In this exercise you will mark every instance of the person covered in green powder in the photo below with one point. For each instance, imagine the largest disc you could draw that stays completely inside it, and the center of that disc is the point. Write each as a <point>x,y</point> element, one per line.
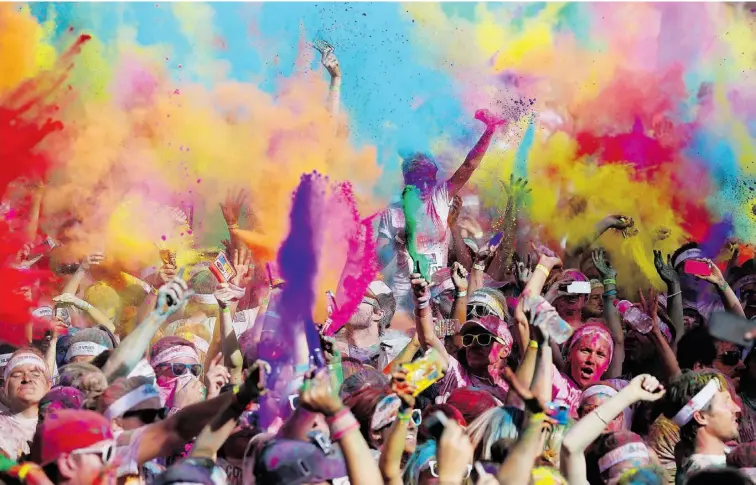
<point>431,229</point>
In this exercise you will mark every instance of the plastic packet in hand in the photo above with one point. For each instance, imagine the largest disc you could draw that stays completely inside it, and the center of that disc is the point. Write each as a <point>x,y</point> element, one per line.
<point>425,371</point>
<point>543,315</point>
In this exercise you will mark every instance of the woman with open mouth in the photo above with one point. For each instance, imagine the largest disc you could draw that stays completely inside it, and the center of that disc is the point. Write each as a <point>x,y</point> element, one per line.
<point>588,355</point>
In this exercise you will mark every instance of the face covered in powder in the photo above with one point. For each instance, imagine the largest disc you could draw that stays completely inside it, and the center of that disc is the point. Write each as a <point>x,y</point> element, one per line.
<point>177,369</point>
<point>590,353</point>
<point>420,171</point>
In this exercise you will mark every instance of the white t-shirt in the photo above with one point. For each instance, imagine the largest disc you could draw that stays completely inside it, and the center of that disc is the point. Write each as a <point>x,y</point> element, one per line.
<point>16,431</point>
<point>233,472</point>
<point>697,462</point>
<point>434,236</point>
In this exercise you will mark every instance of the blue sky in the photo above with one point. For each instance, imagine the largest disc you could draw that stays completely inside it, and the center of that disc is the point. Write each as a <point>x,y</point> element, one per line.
<point>383,70</point>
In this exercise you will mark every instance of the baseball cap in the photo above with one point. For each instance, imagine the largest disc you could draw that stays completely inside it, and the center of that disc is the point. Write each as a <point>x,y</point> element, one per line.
<point>294,462</point>
<point>67,430</point>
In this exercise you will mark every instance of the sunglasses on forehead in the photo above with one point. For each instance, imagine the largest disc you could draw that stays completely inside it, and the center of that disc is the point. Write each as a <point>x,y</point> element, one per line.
<point>180,369</point>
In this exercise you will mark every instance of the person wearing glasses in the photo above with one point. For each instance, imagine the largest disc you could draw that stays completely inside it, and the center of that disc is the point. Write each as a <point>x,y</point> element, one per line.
<point>486,345</point>
<point>76,447</point>
<point>177,371</point>
<point>27,380</point>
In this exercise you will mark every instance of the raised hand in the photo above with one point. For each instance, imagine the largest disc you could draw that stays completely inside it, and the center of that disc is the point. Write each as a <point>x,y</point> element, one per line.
<point>317,394</point>
<point>546,256</point>
<point>167,273</point>
<point>454,454</point>
<point>93,259</point>
<point>454,210</point>
<point>459,277</point>
<point>618,221</point>
<point>402,388</point>
<point>232,207</point>
<point>602,264</point>
<point>420,290</point>
<point>242,263</point>
<point>646,387</point>
<point>171,296</point>
<point>489,119</point>
<point>650,306</point>
<point>715,278</point>
<point>216,376</point>
<point>523,270</point>
<point>516,190</point>
<point>666,272</point>
<point>331,63</point>
<point>227,294</point>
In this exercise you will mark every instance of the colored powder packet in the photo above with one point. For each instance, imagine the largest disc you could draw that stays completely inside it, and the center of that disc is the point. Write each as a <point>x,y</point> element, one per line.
<point>425,371</point>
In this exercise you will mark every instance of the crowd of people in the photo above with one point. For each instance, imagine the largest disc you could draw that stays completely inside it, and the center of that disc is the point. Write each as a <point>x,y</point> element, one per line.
<point>515,367</point>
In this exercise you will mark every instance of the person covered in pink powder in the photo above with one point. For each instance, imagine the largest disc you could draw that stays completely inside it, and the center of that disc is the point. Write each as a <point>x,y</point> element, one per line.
<point>420,170</point>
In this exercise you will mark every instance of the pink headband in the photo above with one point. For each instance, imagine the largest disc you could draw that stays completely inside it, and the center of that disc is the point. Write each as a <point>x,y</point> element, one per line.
<point>592,331</point>
<point>173,353</point>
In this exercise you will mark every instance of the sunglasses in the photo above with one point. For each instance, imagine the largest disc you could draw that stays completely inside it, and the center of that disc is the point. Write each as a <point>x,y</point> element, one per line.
<point>371,301</point>
<point>180,369</point>
<point>147,416</point>
<point>434,469</point>
<point>730,358</point>
<point>482,340</point>
<point>478,310</point>
<point>417,417</point>
<point>106,450</point>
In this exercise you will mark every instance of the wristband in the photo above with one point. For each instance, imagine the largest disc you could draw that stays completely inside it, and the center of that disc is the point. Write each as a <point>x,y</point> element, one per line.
<point>610,281</point>
<point>674,294</point>
<point>233,226</point>
<point>460,294</point>
<point>610,293</point>
<point>23,470</point>
<point>405,414</point>
<point>226,309</point>
<point>538,417</point>
<point>479,267</point>
<point>422,305</point>
<point>543,269</point>
<point>341,412</point>
<point>723,287</point>
<point>533,344</point>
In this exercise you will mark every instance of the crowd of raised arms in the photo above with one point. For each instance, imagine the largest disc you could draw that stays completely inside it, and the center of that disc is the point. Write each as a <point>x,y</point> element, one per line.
<point>474,358</point>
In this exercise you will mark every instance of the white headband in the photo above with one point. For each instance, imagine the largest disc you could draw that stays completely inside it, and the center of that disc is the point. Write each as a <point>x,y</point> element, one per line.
<point>131,399</point>
<point>23,359</point>
<point>594,390</point>
<point>745,280</point>
<point>4,359</point>
<point>623,453</point>
<point>207,299</point>
<point>144,369</point>
<point>693,253</point>
<point>84,348</point>
<point>698,402</point>
<point>173,353</point>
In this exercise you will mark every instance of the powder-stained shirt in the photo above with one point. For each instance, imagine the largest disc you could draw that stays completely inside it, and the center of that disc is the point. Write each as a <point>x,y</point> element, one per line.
<point>457,376</point>
<point>663,436</point>
<point>697,462</point>
<point>565,391</point>
<point>433,238</point>
<point>16,431</point>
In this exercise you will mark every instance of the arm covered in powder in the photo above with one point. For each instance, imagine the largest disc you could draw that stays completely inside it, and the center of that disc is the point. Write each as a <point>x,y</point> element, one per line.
<point>473,159</point>
<point>126,356</point>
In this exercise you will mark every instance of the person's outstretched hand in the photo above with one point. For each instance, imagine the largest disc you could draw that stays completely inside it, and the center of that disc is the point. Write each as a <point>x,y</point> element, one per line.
<point>459,277</point>
<point>318,396</point>
<point>489,119</point>
<point>232,207</point>
<point>454,454</point>
<point>420,290</point>
<point>666,272</point>
<point>167,273</point>
<point>546,256</point>
<point>331,63</point>
<point>516,190</point>
<point>715,278</point>
<point>522,270</point>
<point>171,296</point>
<point>647,388</point>
<point>602,264</point>
<point>618,221</point>
<point>216,376</point>
<point>93,259</point>
<point>402,388</point>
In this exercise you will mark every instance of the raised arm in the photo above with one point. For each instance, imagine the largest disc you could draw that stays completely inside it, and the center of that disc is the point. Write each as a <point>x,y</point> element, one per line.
<point>331,63</point>
<point>217,431</point>
<point>668,357</point>
<point>94,313</point>
<point>125,357</point>
<point>674,294</point>
<point>390,461</point>
<point>575,250</point>
<point>424,317</point>
<point>642,388</point>
<point>72,285</point>
<point>728,297</point>
<point>611,315</point>
<point>471,163</point>
<point>318,396</point>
